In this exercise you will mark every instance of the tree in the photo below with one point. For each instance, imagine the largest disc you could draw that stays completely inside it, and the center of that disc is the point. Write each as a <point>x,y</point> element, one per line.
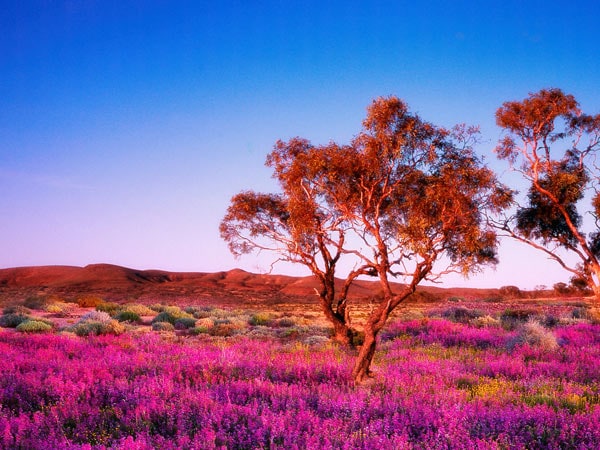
<point>416,195</point>
<point>404,199</point>
<point>553,145</point>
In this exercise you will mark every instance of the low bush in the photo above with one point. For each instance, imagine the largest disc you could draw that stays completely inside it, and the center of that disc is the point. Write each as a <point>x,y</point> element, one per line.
<point>12,320</point>
<point>534,334</point>
<point>223,330</point>
<point>171,314</point>
<point>460,314</point>
<point>36,302</point>
<point>95,328</point>
<point>486,321</point>
<point>89,301</point>
<point>128,316</point>
<point>60,309</point>
<point>285,322</point>
<point>513,318</point>
<point>95,316</point>
<point>139,309</point>
<point>16,309</point>
<point>162,326</point>
<point>185,323</point>
<point>158,307</point>
<point>108,307</point>
<point>260,319</point>
<point>34,326</point>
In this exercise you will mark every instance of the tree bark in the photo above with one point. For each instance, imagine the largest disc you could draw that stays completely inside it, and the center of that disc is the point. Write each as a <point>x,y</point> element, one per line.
<point>362,365</point>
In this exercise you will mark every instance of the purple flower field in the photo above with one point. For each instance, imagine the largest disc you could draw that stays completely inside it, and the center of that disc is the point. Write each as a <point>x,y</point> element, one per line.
<point>438,384</point>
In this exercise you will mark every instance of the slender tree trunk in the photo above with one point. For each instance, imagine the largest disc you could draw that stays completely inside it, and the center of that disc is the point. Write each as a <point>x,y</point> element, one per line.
<point>362,365</point>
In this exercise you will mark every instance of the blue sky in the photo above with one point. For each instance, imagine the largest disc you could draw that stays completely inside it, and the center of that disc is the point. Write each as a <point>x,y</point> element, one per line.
<point>125,127</point>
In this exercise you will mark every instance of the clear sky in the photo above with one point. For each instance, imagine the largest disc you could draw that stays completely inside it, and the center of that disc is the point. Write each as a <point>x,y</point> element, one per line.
<point>126,126</point>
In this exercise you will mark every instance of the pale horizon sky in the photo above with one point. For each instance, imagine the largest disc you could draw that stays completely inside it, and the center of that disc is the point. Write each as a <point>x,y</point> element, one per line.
<point>126,126</point>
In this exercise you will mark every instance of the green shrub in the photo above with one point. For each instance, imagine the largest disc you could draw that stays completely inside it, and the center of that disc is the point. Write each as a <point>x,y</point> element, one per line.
<point>34,326</point>
<point>140,310</point>
<point>36,302</point>
<point>12,320</point>
<point>128,316</point>
<point>162,326</point>
<point>171,314</point>
<point>199,330</point>
<point>108,307</point>
<point>185,323</point>
<point>95,328</point>
<point>89,301</point>
<point>260,319</point>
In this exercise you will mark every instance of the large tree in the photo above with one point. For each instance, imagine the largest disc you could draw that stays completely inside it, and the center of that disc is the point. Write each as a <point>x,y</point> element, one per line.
<point>417,197</point>
<point>405,199</point>
<point>553,145</point>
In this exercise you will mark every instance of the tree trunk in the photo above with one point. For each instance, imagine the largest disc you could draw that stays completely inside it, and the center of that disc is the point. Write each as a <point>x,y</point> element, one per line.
<point>343,334</point>
<point>362,365</point>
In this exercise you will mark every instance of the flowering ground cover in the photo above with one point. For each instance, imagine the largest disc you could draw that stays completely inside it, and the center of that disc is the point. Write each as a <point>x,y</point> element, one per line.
<point>440,383</point>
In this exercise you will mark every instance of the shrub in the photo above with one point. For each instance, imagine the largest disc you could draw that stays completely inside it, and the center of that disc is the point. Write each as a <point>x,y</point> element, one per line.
<point>185,323</point>
<point>128,316</point>
<point>162,326</point>
<point>171,314</point>
<point>260,319</point>
<point>60,309</point>
<point>108,307</point>
<point>95,328</point>
<point>12,320</point>
<point>140,310</point>
<point>486,322</point>
<point>206,322</point>
<point>95,316</point>
<point>460,314</point>
<point>285,322</point>
<point>199,330</point>
<point>534,334</point>
<point>223,330</point>
<point>36,302</point>
<point>34,326</point>
<point>510,292</point>
<point>158,307</point>
<point>16,309</point>
<point>513,318</point>
<point>89,301</point>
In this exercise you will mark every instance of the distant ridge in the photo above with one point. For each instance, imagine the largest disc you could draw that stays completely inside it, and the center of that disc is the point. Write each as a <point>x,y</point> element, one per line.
<point>120,283</point>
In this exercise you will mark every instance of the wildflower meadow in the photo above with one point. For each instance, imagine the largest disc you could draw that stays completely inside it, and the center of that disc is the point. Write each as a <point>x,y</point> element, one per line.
<point>444,380</point>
